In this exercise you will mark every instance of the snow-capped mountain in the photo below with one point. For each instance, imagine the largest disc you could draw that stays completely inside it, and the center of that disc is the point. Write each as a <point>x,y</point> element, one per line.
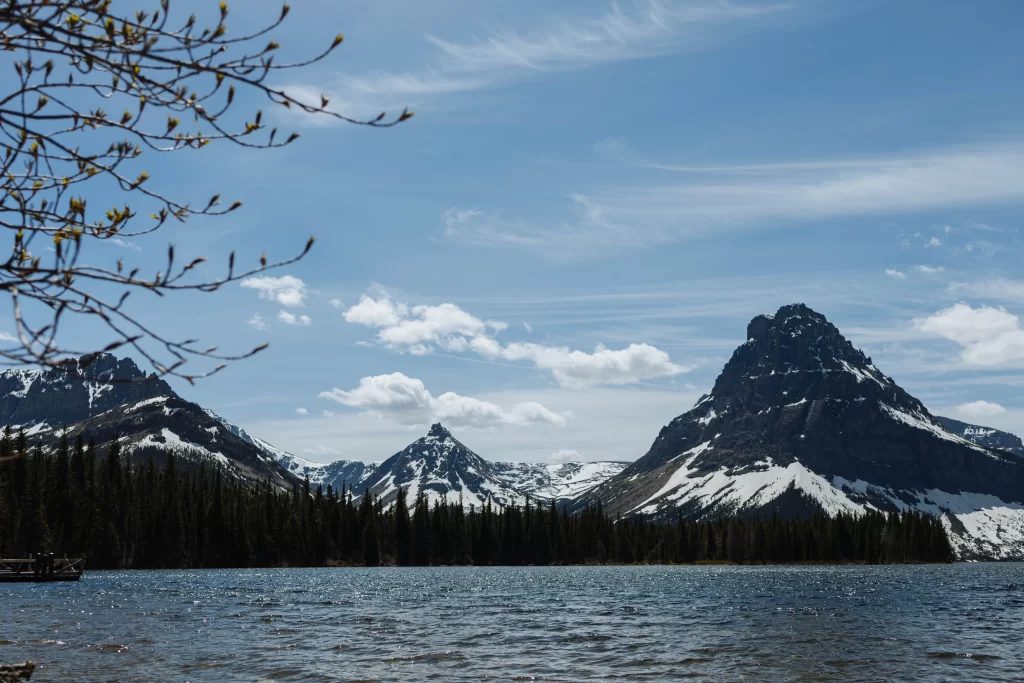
<point>100,396</point>
<point>800,421</point>
<point>441,467</point>
<point>984,436</point>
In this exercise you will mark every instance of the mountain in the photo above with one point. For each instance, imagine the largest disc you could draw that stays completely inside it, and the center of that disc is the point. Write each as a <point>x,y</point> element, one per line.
<point>800,421</point>
<point>99,396</point>
<point>984,436</point>
<point>441,467</point>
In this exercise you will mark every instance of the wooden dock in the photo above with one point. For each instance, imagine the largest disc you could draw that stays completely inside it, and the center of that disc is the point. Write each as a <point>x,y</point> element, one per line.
<point>41,568</point>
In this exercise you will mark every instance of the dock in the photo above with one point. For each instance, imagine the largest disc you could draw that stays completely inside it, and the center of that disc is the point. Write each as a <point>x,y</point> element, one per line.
<point>41,568</point>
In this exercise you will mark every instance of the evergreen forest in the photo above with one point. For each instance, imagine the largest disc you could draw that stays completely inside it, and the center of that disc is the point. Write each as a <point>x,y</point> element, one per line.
<point>76,502</point>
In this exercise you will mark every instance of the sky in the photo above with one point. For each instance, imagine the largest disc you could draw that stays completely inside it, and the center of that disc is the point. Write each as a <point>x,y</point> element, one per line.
<point>558,253</point>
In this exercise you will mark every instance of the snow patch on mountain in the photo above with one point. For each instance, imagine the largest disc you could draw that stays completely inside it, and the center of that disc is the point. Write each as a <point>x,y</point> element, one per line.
<point>556,481</point>
<point>173,443</point>
<point>727,491</point>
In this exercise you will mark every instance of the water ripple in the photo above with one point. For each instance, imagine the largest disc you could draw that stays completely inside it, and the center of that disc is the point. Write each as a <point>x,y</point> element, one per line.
<point>526,624</point>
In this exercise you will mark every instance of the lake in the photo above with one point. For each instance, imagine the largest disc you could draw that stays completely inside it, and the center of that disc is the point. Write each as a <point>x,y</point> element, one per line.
<point>807,623</point>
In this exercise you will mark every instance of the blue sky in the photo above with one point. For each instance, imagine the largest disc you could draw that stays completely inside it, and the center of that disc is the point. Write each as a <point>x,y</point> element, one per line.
<point>563,247</point>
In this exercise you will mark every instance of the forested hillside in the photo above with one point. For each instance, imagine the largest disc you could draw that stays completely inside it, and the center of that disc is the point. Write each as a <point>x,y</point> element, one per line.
<point>117,515</point>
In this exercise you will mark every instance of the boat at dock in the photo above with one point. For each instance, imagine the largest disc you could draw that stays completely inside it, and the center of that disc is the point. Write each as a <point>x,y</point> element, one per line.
<point>41,568</point>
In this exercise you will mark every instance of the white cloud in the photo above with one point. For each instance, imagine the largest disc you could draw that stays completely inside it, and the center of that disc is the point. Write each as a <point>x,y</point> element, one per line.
<point>656,27</point>
<point>715,198</point>
<point>980,409</point>
<point>124,244</point>
<point>336,303</point>
<point>420,330</point>
<point>301,411</point>
<point>896,274</point>
<point>289,318</point>
<point>647,28</point>
<point>326,413</point>
<point>635,363</point>
<point>376,312</point>
<point>992,288</point>
<point>407,401</point>
<point>565,455</point>
<point>608,424</point>
<point>989,336</point>
<point>929,270</point>
<point>286,290</point>
<point>258,322</point>
<point>528,327</point>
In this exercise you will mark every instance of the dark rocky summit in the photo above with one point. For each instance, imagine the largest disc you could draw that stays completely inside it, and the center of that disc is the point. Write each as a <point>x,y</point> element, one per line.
<point>78,389</point>
<point>801,421</point>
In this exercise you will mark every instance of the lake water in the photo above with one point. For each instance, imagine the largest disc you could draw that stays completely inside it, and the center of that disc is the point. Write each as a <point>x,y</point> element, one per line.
<point>934,623</point>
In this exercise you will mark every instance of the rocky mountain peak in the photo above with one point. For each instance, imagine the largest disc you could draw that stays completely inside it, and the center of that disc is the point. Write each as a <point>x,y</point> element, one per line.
<point>797,354</point>
<point>77,389</point>
<point>438,431</point>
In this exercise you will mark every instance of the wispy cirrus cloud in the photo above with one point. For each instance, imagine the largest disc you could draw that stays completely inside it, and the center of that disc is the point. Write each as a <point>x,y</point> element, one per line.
<point>616,33</point>
<point>744,197</point>
<point>652,28</point>
<point>1000,288</point>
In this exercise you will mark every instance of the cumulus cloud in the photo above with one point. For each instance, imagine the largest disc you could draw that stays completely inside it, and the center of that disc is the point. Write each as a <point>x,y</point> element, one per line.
<point>988,335</point>
<point>289,318</point>
<point>576,369</point>
<point>407,401</point>
<point>895,274</point>
<point>980,409</point>
<point>301,411</point>
<point>376,312</point>
<point>336,303</point>
<point>933,242</point>
<point>286,290</point>
<point>421,330</point>
<point>929,270</point>
<point>258,322</point>
<point>564,456</point>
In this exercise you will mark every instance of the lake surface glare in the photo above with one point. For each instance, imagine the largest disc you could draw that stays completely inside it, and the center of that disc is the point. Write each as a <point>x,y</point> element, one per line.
<point>959,622</point>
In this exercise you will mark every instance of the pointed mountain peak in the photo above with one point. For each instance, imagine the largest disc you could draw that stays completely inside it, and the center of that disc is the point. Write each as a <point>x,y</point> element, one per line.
<point>438,431</point>
<point>795,341</point>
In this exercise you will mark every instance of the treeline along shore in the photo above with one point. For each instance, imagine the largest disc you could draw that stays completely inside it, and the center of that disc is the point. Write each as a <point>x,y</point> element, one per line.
<point>77,502</point>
